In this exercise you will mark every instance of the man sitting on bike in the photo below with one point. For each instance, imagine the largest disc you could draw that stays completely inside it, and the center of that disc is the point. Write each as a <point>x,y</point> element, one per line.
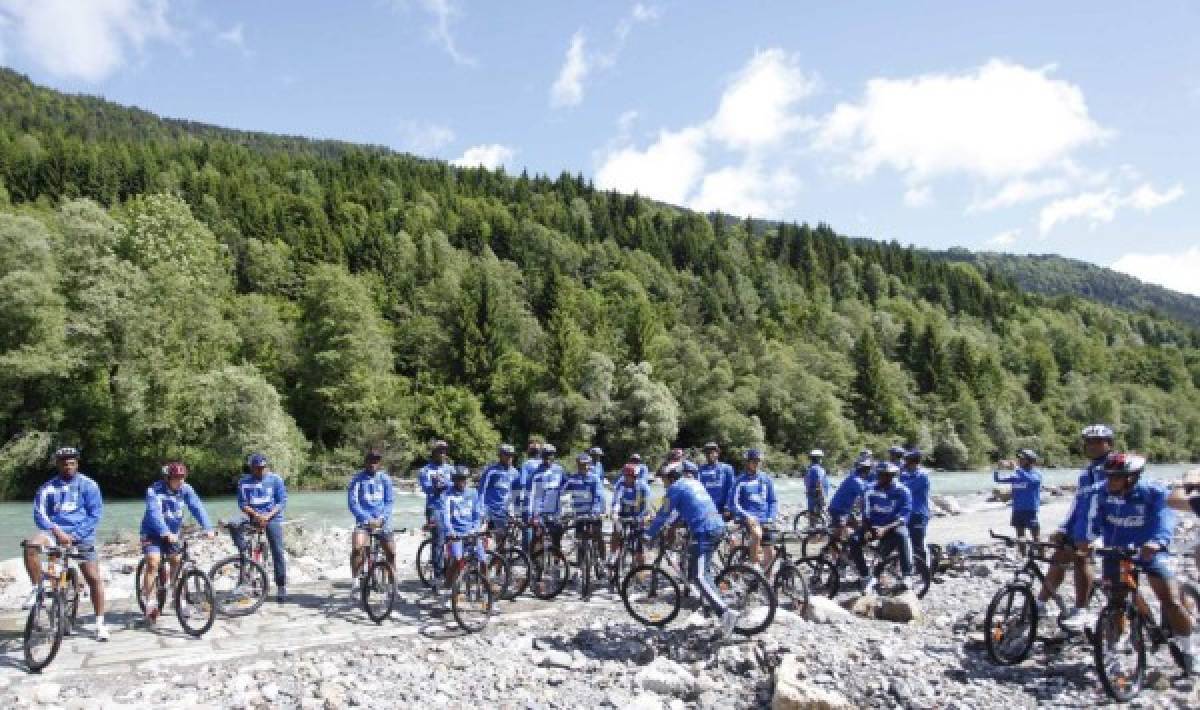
<point>755,506</point>
<point>495,492</point>
<point>585,498</point>
<point>370,497</point>
<point>262,496</point>
<point>434,479</point>
<point>630,505</point>
<point>886,508</point>
<point>847,500</point>
<point>520,488</point>
<point>716,477</point>
<point>642,469</point>
<point>544,506</point>
<point>816,486</point>
<point>66,511</point>
<point>1130,512</point>
<point>1026,482</point>
<point>916,479</point>
<point>165,500</point>
<point>1072,535</point>
<point>462,514</point>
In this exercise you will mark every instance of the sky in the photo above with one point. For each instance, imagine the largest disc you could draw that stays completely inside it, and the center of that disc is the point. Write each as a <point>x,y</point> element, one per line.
<point>1028,127</point>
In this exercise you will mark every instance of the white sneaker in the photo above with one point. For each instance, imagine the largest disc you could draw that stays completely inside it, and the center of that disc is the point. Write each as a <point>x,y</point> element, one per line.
<point>355,586</point>
<point>728,621</point>
<point>869,585</point>
<point>102,631</point>
<point>1075,619</point>
<point>30,599</point>
<point>151,611</point>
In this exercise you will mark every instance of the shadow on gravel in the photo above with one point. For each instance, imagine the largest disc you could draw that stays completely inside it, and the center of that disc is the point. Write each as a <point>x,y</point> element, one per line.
<point>625,641</point>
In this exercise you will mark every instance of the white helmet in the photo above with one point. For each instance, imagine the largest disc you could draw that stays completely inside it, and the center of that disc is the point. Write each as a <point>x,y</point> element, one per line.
<point>1097,431</point>
<point>817,454</point>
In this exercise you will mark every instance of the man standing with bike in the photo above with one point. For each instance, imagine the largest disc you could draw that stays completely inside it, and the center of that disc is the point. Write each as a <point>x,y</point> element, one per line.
<point>643,470</point>
<point>849,497</point>
<point>886,509</point>
<point>816,486</point>
<point>370,497</point>
<point>916,479</point>
<point>1026,482</point>
<point>754,505</point>
<point>545,491</point>
<point>495,491</point>
<point>165,500</point>
<point>435,478</point>
<point>461,515</point>
<point>66,510</point>
<point>686,498</point>
<point>716,477</point>
<point>631,498</point>
<point>584,492</point>
<point>1130,512</point>
<point>262,496</point>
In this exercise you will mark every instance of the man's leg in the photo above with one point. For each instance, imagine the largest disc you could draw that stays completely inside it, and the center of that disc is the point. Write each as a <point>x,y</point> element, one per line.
<point>358,551</point>
<point>91,573</point>
<point>439,541</point>
<point>754,532</point>
<point>1083,574</point>
<point>699,572</point>
<point>856,555</point>
<point>917,527</point>
<point>1167,592</point>
<point>278,561</point>
<point>149,578</point>
<point>898,540</point>
<point>33,559</point>
<point>1062,558</point>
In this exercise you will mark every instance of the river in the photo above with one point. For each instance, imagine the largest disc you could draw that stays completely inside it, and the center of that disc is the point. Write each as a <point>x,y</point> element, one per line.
<point>329,507</point>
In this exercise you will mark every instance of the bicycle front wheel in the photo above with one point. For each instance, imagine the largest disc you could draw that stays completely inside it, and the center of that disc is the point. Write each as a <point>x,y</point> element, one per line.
<point>425,570</point>
<point>195,603</point>
<point>499,574</point>
<point>471,600</point>
<point>651,595</point>
<point>71,600</point>
<point>550,571</point>
<point>43,631</point>
<point>379,591</point>
<point>520,572</point>
<point>890,576</point>
<point>745,591</point>
<point>1120,651</point>
<point>1010,625</point>
<point>160,590</point>
<point>1189,601</point>
<point>792,589</point>
<point>239,585</point>
<point>821,576</point>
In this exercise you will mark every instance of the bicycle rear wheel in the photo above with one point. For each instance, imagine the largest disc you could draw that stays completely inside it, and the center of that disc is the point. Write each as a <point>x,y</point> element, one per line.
<point>1189,601</point>
<point>890,577</point>
<point>1120,652</point>
<point>195,604</point>
<point>792,589</point>
<point>746,591</point>
<point>43,631</point>
<point>498,574</point>
<point>239,585</point>
<point>550,572</point>
<point>471,600</point>
<point>1010,625</point>
<point>425,571</point>
<point>379,591</point>
<point>520,573</point>
<point>585,571</point>
<point>821,576</point>
<point>160,590</point>
<point>651,595</point>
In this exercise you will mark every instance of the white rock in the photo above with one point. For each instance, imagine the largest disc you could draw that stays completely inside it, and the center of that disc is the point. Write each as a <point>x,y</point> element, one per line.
<point>791,693</point>
<point>47,693</point>
<point>644,701</point>
<point>558,659</point>
<point>667,677</point>
<point>270,692</point>
<point>824,610</point>
<point>903,608</point>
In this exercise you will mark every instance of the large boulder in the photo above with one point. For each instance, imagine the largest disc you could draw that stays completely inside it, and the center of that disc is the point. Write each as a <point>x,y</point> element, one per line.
<point>794,693</point>
<point>863,605</point>
<point>1001,494</point>
<point>948,505</point>
<point>666,677</point>
<point>902,608</point>
<point>823,610</point>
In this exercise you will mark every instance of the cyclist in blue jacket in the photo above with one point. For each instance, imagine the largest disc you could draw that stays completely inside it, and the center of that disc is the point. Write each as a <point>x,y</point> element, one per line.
<point>849,496</point>
<point>816,486</point>
<point>629,507</point>
<point>496,492</point>
<point>370,497</point>
<point>544,505</point>
<point>166,499</point>
<point>1026,482</point>
<point>435,479</point>
<point>686,498</point>
<point>643,470</point>
<point>520,488</point>
<point>916,479</point>
<point>462,514</point>
<point>1072,534</point>
<point>754,504</point>
<point>1130,512</point>
<point>67,510</point>
<point>716,477</point>
<point>584,493</point>
<point>886,509</point>
<point>262,496</point>
<point>597,455</point>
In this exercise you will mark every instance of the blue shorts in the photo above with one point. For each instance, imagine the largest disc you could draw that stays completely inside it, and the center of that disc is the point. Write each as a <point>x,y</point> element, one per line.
<point>1111,567</point>
<point>156,545</point>
<point>455,548</point>
<point>1026,519</point>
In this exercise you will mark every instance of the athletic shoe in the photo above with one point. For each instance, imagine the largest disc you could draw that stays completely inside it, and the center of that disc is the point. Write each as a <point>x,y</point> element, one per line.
<point>30,599</point>
<point>101,632</point>
<point>282,595</point>
<point>1075,620</point>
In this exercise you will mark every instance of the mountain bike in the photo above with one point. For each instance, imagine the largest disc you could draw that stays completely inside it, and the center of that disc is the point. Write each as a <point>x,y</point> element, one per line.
<point>589,555</point>
<point>786,576</point>
<point>195,602</point>
<point>377,576</point>
<point>55,604</point>
<point>832,569</point>
<point>806,520</point>
<point>473,594</point>
<point>1127,629</point>
<point>424,560</point>
<point>631,530</point>
<point>520,566</point>
<point>240,581</point>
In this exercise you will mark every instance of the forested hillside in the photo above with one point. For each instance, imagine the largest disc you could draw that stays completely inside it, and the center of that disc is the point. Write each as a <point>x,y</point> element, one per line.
<point>1055,275</point>
<point>174,289</point>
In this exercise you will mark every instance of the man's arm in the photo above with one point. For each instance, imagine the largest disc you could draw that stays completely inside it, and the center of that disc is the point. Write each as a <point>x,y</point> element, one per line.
<point>280,492</point>
<point>389,499</point>
<point>197,507</point>
<point>355,505</point>
<point>93,505</point>
<point>772,501</point>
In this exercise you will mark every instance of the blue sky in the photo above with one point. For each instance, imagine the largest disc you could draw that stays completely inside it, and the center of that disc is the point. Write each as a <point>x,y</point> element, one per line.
<point>1065,127</point>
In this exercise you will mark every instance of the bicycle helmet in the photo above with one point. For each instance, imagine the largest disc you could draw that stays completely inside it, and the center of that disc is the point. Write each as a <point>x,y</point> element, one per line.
<point>549,450</point>
<point>175,469</point>
<point>440,445</point>
<point>864,463</point>
<point>374,456</point>
<point>596,451</point>
<point>913,454</point>
<point>1027,454</point>
<point>583,458</point>
<point>896,451</point>
<point>816,454</point>
<point>753,455</point>
<point>886,467</point>
<point>712,446</point>
<point>66,452</point>
<point>256,461</point>
<point>506,450</point>
<point>635,457</point>
<point>460,473</point>
<point>1124,464</point>
<point>1097,431</point>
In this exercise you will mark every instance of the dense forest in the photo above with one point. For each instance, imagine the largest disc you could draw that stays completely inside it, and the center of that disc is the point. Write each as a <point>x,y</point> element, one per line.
<point>171,289</point>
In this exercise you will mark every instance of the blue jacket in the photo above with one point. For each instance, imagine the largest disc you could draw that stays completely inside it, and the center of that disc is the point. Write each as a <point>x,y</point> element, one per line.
<point>496,489</point>
<point>74,506</point>
<point>631,501</point>
<point>885,506</point>
<point>461,511</point>
<point>1026,488</point>
<point>264,495</point>
<point>585,494</point>
<point>520,486</point>
<point>816,484</point>
<point>687,499</point>
<point>717,479</point>
<point>917,483</point>
<point>643,474</point>
<point>545,491</point>
<point>1076,523</point>
<point>754,497</point>
<point>1136,519</point>
<point>164,509</point>
<point>849,492</point>
<point>435,479</point>
<point>370,497</point>
<point>598,469</point>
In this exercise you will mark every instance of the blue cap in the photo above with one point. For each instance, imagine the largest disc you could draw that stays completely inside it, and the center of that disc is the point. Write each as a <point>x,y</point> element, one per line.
<point>864,462</point>
<point>753,455</point>
<point>256,460</point>
<point>912,454</point>
<point>897,451</point>
<point>887,467</point>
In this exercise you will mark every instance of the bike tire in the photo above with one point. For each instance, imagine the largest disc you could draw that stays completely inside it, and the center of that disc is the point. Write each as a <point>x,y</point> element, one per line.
<point>999,625</point>
<point>888,576</point>
<point>813,542</point>
<point>746,591</point>
<point>471,600</point>
<point>1124,683</point>
<point>1189,601</point>
<point>160,591</point>
<point>500,575</point>
<point>651,596</point>
<point>425,571</point>
<point>378,592</point>
<point>45,620</point>
<point>585,572</point>
<point>240,585</point>
<point>550,574</point>
<point>71,601</point>
<point>790,586</point>
<point>739,555</point>
<point>199,608</point>
<point>821,576</point>
<point>520,572</point>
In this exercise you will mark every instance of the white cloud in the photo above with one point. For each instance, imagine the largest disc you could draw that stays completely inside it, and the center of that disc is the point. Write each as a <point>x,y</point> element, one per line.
<point>490,156</point>
<point>1019,191</point>
<point>746,190</point>
<point>998,122</point>
<point>84,40</point>
<point>1146,198</point>
<point>666,170</point>
<point>757,108</point>
<point>444,13</point>
<point>419,137</point>
<point>918,196</point>
<point>568,87</point>
<point>234,36</point>
<point>645,13</point>
<point>1175,271</point>
<point>1005,239</point>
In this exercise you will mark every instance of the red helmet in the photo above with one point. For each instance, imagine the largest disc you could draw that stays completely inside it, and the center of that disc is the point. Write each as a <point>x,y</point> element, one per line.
<point>175,469</point>
<point>1124,464</point>
<point>629,470</point>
